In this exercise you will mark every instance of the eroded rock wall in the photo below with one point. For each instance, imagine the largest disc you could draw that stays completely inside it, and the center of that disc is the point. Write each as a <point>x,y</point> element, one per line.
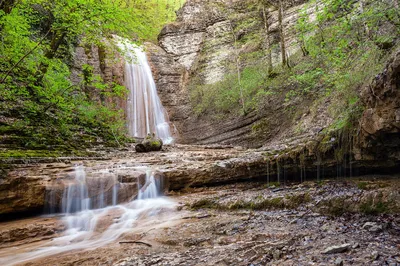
<point>201,47</point>
<point>379,134</point>
<point>94,61</point>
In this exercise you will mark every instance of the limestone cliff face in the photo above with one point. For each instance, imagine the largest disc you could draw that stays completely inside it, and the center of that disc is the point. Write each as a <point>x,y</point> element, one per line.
<point>95,61</point>
<point>201,47</point>
<point>380,123</point>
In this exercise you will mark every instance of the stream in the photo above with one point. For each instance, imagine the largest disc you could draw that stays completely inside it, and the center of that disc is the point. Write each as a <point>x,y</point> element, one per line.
<point>88,227</point>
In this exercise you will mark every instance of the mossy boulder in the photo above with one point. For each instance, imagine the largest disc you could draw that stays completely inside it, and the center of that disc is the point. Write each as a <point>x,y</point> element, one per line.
<point>150,143</point>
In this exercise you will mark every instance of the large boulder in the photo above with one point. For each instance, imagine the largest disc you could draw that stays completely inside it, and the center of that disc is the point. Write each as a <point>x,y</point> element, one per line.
<point>150,143</point>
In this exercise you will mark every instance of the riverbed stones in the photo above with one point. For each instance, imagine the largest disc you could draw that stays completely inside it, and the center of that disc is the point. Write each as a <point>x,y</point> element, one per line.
<point>197,239</point>
<point>374,255</point>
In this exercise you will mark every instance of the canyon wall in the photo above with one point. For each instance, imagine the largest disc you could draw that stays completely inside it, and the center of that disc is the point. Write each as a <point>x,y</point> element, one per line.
<point>94,62</point>
<point>200,48</point>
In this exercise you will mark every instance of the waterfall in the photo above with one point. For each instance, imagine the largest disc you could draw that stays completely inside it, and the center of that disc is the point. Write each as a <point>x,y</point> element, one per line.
<point>146,115</point>
<point>76,196</point>
<point>150,189</point>
<point>90,228</point>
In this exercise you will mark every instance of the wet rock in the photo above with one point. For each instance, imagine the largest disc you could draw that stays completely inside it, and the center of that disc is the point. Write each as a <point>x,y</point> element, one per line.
<point>131,177</point>
<point>380,120</point>
<point>150,143</point>
<point>29,230</point>
<point>19,192</point>
<point>336,249</point>
<point>262,237</point>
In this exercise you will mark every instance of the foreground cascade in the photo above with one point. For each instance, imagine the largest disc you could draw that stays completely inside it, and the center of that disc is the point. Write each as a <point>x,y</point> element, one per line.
<point>145,113</point>
<point>89,223</point>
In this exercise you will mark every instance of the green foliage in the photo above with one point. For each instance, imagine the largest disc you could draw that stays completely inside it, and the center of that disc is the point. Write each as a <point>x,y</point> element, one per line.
<point>38,101</point>
<point>225,96</point>
<point>274,184</point>
<point>336,206</point>
<point>203,203</point>
<point>362,185</point>
<point>374,208</point>
<point>342,47</point>
<point>260,203</point>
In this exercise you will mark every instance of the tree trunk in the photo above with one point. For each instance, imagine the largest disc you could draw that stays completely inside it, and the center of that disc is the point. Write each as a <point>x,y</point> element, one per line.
<point>267,40</point>
<point>56,41</point>
<point>22,58</point>
<point>50,54</point>
<point>238,68</point>
<point>281,34</point>
<point>319,25</point>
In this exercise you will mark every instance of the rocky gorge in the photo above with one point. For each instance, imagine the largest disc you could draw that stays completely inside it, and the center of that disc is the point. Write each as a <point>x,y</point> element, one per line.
<point>199,47</point>
<point>276,183</point>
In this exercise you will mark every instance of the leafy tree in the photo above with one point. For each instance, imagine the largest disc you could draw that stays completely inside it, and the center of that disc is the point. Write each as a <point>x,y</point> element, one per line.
<point>37,42</point>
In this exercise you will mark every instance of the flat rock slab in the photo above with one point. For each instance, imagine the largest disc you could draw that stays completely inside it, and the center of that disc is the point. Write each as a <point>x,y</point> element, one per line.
<point>24,187</point>
<point>336,249</point>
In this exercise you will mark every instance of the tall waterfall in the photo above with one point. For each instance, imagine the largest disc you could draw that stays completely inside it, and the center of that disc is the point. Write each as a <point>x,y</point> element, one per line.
<point>146,115</point>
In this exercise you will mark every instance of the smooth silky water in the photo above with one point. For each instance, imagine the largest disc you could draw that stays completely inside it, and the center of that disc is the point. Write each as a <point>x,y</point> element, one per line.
<point>88,228</point>
<point>145,113</point>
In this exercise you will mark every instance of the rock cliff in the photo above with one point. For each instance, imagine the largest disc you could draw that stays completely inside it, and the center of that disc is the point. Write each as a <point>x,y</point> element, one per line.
<point>200,48</point>
<point>380,123</point>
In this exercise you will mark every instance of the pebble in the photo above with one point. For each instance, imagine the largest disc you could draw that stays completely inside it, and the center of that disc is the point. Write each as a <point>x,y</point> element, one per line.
<point>338,262</point>
<point>374,255</point>
<point>277,254</point>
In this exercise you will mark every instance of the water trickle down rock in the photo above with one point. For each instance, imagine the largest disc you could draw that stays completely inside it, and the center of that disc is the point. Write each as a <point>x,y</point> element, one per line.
<point>79,193</point>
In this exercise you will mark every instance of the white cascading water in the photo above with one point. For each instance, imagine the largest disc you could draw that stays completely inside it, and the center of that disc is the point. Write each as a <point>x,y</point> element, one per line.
<point>146,115</point>
<point>150,188</point>
<point>76,195</point>
<point>83,229</point>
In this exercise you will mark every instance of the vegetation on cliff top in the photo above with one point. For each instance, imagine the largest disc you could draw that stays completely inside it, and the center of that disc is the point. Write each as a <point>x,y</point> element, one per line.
<point>40,108</point>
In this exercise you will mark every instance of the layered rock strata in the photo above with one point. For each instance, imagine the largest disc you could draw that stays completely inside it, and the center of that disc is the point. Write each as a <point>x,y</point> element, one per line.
<point>201,47</point>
